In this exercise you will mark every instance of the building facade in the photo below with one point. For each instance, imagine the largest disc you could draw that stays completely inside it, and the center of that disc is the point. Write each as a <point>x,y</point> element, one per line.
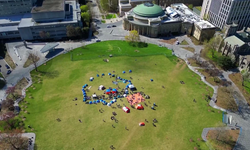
<point>50,18</point>
<point>227,12</point>
<point>151,20</point>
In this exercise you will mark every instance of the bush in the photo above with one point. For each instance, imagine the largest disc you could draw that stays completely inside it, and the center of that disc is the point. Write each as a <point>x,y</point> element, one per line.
<point>142,44</point>
<point>225,62</point>
<point>216,80</point>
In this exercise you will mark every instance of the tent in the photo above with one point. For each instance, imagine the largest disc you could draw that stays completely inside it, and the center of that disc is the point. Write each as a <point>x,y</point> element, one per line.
<point>114,91</point>
<point>103,74</point>
<point>114,100</point>
<point>94,96</point>
<point>101,87</point>
<point>109,104</point>
<point>126,109</point>
<point>118,77</point>
<point>91,78</point>
<point>139,106</point>
<point>97,75</point>
<point>129,81</point>
<point>113,75</point>
<point>108,91</point>
<point>132,87</point>
<point>130,71</point>
<point>86,84</point>
<point>109,74</point>
<point>151,80</point>
<point>97,101</point>
<point>123,72</point>
<point>90,102</point>
<point>141,124</point>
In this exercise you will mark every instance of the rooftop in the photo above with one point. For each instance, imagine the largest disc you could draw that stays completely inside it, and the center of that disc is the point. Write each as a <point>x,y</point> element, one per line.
<point>48,6</point>
<point>148,10</point>
<point>244,35</point>
<point>233,40</point>
<point>48,47</point>
<point>204,24</point>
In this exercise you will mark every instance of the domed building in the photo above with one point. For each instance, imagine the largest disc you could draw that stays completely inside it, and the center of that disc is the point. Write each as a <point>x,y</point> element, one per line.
<point>151,20</point>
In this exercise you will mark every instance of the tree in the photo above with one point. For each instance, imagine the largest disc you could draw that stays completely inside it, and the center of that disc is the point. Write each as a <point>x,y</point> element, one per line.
<point>225,62</point>
<point>78,32</point>
<point>12,91</point>
<point>86,17</point>
<point>84,8</point>
<point>8,104</point>
<point>133,37</point>
<point>71,32</point>
<point>44,35</point>
<point>33,58</point>
<point>213,44</point>
<point>13,140</point>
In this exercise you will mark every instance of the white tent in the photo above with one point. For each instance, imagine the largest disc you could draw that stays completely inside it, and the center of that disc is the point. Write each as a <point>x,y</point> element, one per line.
<point>91,78</point>
<point>101,87</point>
<point>94,96</point>
<point>109,104</point>
<point>131,86</point>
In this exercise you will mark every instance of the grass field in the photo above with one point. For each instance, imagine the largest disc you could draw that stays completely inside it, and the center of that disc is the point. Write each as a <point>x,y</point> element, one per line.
<point>59,81</point>
<point>110,16</point>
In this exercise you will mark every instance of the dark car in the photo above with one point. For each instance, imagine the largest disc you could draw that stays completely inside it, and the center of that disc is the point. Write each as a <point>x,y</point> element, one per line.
<point>8,72</point>
<point>0,66</point>
<point>113,25</point>
<point>8,67</point>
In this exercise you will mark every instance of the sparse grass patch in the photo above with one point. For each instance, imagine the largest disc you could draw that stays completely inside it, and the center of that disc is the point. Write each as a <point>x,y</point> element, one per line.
<point>184,42</point>
<point>191,49</point>
<point>29,61</point>
<point>9,60</point>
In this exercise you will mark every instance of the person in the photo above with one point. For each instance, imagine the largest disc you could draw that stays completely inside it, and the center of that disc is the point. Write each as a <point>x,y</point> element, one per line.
<point>80,120</point>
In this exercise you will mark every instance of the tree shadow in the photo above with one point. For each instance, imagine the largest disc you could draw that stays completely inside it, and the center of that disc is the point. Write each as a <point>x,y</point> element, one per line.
<point>54,53</point>
<point>51,74</point>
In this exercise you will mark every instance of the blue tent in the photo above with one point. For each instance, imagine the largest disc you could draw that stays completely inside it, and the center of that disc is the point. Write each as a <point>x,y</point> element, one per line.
<point>94,101</point>
<point>83,87</point>
<point>108,90</point>
<point>111,102</point>
<point>127,86</point>
<point>114,90</point>
<point>90,102</point>
<point>118,77</point>
<point>116,97</point>
<point>129,81</point>
<point>130,71</point>
<point>97,75</point>
<point>124,81</point>
<point>123,72</point>
<point>151,80</point>
<point>103,74</point>
<point>113,75</point>
<point>109,74</point>
<point>97,101</point>
<point>86,85</point>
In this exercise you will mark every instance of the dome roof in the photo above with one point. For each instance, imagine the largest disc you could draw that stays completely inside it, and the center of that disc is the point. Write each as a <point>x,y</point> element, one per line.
<point>148,10</point>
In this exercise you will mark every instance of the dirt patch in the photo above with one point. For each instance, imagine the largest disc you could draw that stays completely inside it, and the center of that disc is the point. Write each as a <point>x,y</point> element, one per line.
<point>223,139</point>
<point>9,60</point>
<point>237,79</point>
<point>225,99</point>
<point>170,41</point>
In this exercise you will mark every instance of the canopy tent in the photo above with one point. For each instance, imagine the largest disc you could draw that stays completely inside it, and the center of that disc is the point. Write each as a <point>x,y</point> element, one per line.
<point>91,78</point>
<point>114,91</point>
<point>101,87</point>
<point>108,91</point>
<point>123,72</point>
<point>139,106</point>
<point>97,101</point>
<point>90,102</point>
<point>141,124</point>
<point>132,87</point>
<point>94,96</point>
<point>126,109</point>
<point>114,100</point>
<point>109,74</point>
<point>130,71</point>
<point>109,104</point>
<point>135,99</point>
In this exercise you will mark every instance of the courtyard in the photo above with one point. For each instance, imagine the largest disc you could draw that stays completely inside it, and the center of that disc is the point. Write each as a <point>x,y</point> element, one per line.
<point>179,117</point>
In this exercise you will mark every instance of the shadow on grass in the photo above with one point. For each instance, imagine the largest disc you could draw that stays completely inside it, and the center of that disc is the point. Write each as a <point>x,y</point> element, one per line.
<point>54,53</point>
<point>51,74</point>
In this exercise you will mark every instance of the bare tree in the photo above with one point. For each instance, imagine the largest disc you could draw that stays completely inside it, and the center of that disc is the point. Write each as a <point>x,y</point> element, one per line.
<point>8,104</point>
<point>13,140</point>
<point>33,58</point>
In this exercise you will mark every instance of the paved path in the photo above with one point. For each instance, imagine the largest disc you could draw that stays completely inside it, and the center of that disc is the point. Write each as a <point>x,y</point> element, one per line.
<point>31,136</point>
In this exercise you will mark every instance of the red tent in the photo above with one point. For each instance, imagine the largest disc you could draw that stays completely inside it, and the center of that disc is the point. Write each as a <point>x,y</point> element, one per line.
<point>141,124</point>
<point>126,109</point>
<point>139,106</point>
<point>107,93</point>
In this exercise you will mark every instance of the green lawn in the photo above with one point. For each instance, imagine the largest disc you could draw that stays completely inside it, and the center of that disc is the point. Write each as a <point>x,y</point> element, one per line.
<point>61,80</point>
<point>110,16</point>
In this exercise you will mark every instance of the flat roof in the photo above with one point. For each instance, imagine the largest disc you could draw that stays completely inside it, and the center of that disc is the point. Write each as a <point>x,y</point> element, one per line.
<point>48,47</point>
<point>233,40</point>
<point>8,28</point>
<point>10,19</point>
<point>204,24</point>
<point>48,6</point>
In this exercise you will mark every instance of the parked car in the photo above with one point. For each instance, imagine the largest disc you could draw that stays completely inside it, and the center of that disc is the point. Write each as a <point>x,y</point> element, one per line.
<point>0,66</point>
<point>113,25</point>
<point>7,66</point>
<point>8,72</point>
<point>98,40</point>
<point>109,26</point>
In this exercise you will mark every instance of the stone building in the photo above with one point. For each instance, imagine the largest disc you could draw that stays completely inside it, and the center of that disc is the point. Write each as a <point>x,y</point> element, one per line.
<point>151,20</point>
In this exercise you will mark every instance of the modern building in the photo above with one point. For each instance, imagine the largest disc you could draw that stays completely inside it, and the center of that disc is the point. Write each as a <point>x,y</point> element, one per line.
<point>227,12</point>
<point>47,19</point>
<point>151,20</point>
<point>126,5</point>
<point>15,7</point>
